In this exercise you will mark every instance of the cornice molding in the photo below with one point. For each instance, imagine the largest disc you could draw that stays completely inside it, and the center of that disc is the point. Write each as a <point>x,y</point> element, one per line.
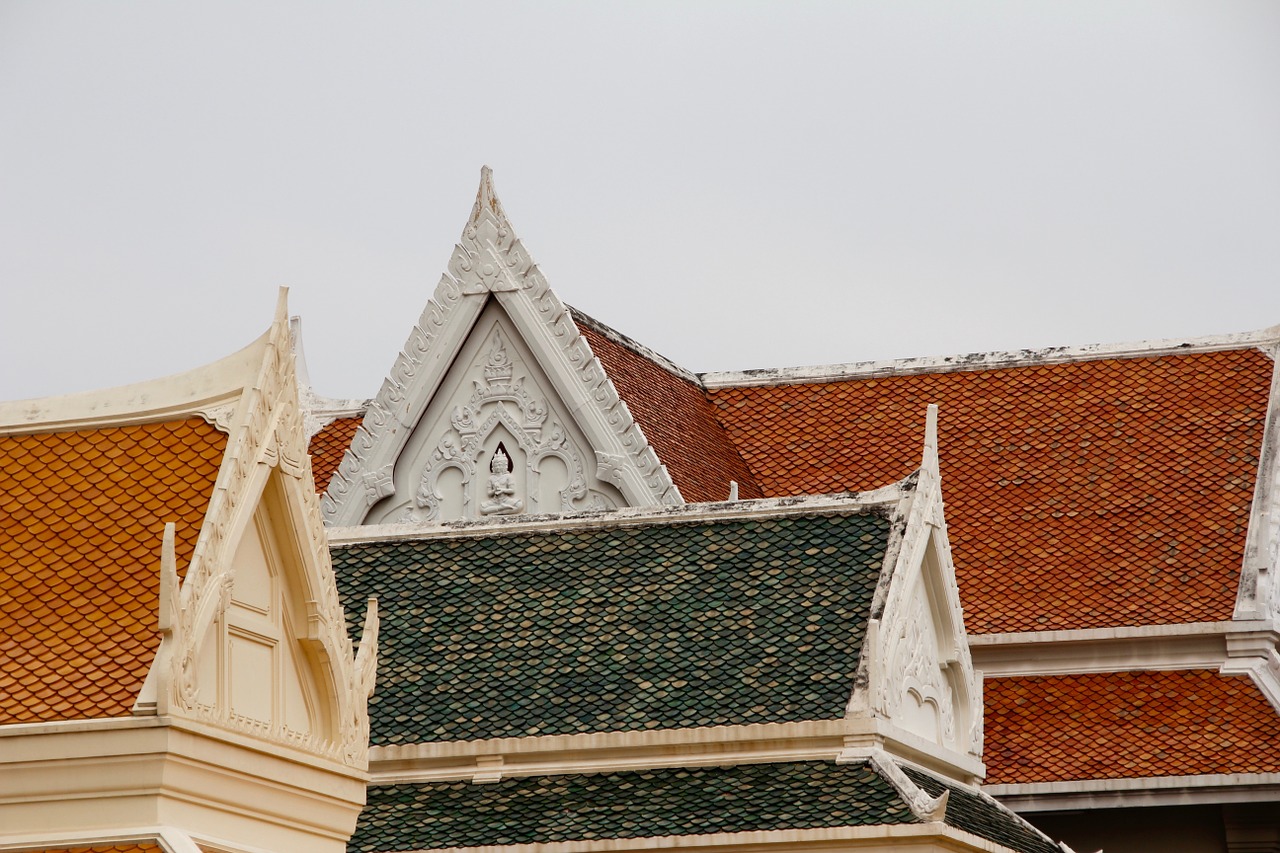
<point>1198,645</point>
<point>1137,791</point>
<point>1265,339</point>
<point>491,262</point>
<point>848,739</point>
<point>883,499</point>
<point>118,775</point>
<point>909,837</point>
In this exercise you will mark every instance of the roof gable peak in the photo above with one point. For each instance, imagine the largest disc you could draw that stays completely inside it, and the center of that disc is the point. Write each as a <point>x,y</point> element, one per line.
<point>425,447</point>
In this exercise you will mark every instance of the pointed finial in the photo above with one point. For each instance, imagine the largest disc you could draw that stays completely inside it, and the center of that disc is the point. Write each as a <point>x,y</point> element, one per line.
<point>930,456</point>
<point>169,584</point>
<point>282,306</point>
<point>487,199</point>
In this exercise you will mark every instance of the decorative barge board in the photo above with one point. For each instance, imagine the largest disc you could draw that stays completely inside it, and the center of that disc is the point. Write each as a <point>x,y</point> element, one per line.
<point>496,406</point>
<point>226,707</point>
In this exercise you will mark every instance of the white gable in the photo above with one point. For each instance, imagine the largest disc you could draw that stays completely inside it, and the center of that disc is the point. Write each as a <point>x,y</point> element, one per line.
<point>495,439</point>
<point>254,637</point>
<point>920,678</point>
<point>495,359</point>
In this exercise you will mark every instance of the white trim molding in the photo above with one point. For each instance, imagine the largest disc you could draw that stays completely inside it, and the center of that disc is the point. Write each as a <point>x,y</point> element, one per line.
<point>1263,339</point>
<point>1259,592</point>
<point>1196,645</point>
<point>1146,791</point>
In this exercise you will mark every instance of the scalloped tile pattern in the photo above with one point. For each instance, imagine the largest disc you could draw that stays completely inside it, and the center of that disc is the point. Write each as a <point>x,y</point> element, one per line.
<point>1084,495</point>
<point>621,628</point>
<point>638,804</point>
<point>327,447</point>
<point>678,420</point>
<point>666,802</point>
<point>81,520</point>
<point>1120,725</point>
<point>975,812</point>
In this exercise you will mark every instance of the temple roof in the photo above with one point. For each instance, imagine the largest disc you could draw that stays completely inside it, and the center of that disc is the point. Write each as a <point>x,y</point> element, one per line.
<point>668,802</point>
<point>1120,725</point>
<point>81,518</point>
<point>1079,495</point>
<point>623,627</point>
<point>678,419</point>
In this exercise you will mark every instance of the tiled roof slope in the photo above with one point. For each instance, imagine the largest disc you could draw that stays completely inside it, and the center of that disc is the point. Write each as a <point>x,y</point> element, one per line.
<point>676,417</point>
<point>1079,495</point>
<point>327,447</point>
<point>673,801</point>
<point>662,802</point>
<point>81,520</point>
<point>621,628</point>
<point>1120,725</point>
<point>977,813</point>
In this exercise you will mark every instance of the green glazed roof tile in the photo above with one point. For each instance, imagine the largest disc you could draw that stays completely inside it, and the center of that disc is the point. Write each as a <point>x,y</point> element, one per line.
<point>622,628</point>
<point>979,814</point>
<point>673,801</point>
<point>668,801</point>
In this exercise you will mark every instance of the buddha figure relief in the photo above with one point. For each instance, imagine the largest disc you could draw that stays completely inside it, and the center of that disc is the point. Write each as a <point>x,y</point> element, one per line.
<point>501,488</point>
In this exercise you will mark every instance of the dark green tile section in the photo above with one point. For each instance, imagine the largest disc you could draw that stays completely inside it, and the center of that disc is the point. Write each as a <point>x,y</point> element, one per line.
<point>972,812</point>
<point>624,628</point>
<point>678,801</point>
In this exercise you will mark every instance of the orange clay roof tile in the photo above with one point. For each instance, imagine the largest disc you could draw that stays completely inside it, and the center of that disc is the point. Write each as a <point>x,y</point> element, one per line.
<point>1079,495</point>
<point>327,447</point>
<point>1120,725</point>
<point>81,519</point>
<point>677,419</point>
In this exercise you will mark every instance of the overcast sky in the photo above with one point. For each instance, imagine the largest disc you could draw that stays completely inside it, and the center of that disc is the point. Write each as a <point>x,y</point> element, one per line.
<point>734,184</point>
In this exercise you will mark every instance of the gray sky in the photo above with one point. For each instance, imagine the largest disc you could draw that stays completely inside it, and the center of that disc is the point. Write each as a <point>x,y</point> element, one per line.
<point>734,184</point>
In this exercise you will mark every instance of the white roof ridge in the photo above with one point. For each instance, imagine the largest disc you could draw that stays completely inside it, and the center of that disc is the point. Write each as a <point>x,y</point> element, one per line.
<point>987,360</point>
<point>885,498</point>
<point>192,392</point>
<point>634,346</point>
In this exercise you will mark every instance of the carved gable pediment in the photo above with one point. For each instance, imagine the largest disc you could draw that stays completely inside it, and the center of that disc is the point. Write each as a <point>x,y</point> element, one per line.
<point>920,677</point>
<point>495,360</point>
<point>496,439</point>
<point>254,637</point>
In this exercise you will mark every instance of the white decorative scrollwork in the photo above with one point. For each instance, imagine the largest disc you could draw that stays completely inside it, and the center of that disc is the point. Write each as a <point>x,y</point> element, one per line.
<point>490,262</point>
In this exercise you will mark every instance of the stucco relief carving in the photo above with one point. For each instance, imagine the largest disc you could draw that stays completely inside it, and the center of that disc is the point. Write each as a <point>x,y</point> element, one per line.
<point>267,434</point>
<point>922,697</point>
<point>488,264</point>
<point>490,456</point>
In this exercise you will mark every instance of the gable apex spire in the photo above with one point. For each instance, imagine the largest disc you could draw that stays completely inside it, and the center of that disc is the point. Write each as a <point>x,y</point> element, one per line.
<point>487,203</point>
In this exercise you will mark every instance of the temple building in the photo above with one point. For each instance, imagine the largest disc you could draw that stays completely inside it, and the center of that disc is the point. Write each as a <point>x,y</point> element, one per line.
<point>549,592</point>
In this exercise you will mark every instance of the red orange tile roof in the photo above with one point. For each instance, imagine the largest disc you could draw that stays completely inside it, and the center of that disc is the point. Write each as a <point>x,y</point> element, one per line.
<point>1088,494</point>
<point>81,519</point>
<point>677,419</point>
<point>327,447</point>
<point>1119,725</point>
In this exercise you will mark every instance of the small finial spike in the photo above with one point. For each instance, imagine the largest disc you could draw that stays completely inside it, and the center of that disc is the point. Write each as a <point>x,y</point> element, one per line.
<point>929,458</point>
<point>282,305</point>
<point>486,199</point>
<point>168,579</point>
